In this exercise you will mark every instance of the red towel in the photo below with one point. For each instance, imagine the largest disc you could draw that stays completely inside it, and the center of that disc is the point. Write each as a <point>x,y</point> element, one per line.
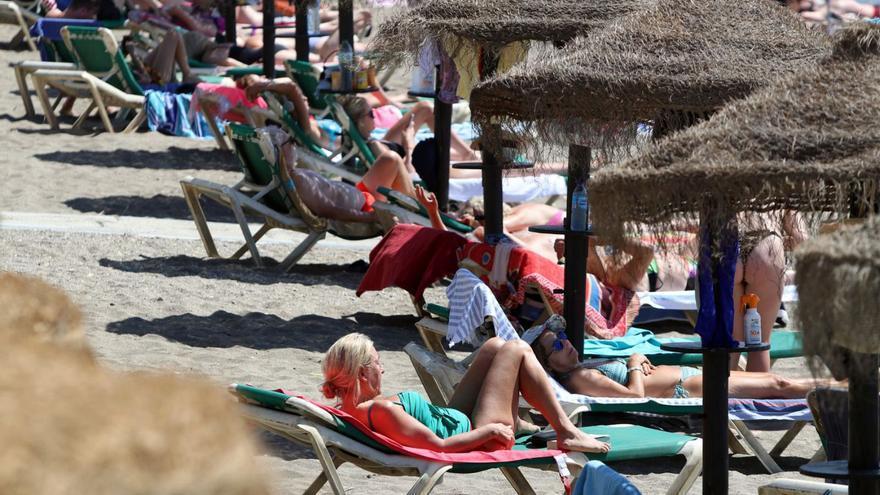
<point>412,257</point>
<point>472,457</point>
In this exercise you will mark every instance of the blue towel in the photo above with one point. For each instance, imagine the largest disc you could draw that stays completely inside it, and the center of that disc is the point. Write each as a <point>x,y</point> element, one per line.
<point>636,340</point>
<point>168,113</point>
<point>49,29</point>
<point>597,478</point>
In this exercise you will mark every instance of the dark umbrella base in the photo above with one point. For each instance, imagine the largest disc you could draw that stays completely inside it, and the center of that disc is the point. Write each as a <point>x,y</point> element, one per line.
<point>838,470</point>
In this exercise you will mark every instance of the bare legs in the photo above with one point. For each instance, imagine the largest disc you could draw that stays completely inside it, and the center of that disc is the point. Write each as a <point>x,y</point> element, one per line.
<point>763,275</point>
<point>161,60</point>
<point>771,386</point>
<point>389,171</point>
<point>489,393</point>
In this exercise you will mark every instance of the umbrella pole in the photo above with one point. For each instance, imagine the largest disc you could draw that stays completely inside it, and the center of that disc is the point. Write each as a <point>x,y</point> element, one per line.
<point>576,252</point>
<point>269,38</point>
<point>493,210</point>
<point>864,431</point>
<point>229,19</point>
<point>302,31</point>
<point>442,141</point>
<point>346,34</point>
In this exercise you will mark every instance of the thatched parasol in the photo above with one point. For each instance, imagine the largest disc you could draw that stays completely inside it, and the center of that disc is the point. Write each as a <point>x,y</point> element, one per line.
<point>838,279</point>
<point>493,23</point>
<point>800,144</point>
<point>671,57</point>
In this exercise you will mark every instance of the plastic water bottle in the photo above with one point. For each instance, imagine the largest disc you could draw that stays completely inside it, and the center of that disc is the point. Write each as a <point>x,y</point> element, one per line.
<point>346,63</point>
<point>751,319</point>
<point>314,16</point>
<point>579,208</point>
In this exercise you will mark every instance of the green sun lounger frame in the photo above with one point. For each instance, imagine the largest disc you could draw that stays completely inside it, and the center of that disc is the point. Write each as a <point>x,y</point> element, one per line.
<point>335,442</point>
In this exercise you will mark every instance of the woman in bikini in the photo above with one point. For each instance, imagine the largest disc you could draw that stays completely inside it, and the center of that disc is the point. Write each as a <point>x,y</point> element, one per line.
<point>638,377</point>
<point>482,413</point>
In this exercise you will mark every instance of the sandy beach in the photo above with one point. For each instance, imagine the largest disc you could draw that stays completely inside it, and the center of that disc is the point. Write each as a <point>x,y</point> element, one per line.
<point>102,216</point>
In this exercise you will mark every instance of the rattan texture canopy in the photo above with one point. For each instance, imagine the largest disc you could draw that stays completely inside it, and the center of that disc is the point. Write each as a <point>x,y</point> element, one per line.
<point>671,57</point>
<point>838,280</point>
<point>800,144</point>
<point>492,23</point>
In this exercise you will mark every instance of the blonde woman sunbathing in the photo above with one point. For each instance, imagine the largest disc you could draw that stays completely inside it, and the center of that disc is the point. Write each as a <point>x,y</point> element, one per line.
<point>638,377</point>
<point>481,414</point>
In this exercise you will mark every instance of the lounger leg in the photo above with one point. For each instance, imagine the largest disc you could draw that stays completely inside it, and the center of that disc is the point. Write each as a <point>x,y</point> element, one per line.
<point>48,111</point>
<point>786,439</point>
<point>21,78</point>
<point>83,116</point>
<point>198,214</point>
<point>735,441</point>
<point>324,458</point>
<point>246,232</point>
<point>759,450</point>
<point>321,479</point>
<point>260,233</point>
<point>693,453</point>
<point>301,250</point>
<point>518,481</point>
<point>215,130</point>
<point>427,481</point>
<point>102,109</point>
<point>136,122</point>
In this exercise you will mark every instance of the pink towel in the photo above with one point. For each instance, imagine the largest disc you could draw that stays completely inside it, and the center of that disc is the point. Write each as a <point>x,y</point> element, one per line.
<point>230,98</point>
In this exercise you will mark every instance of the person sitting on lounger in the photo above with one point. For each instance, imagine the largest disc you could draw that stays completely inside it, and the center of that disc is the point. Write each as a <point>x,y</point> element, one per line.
<point>638,377</point>
<point>482,412</point>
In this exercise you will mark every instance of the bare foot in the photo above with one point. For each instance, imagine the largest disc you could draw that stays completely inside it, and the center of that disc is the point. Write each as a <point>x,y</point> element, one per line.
<point>523,426</point>
<point>578,441</point>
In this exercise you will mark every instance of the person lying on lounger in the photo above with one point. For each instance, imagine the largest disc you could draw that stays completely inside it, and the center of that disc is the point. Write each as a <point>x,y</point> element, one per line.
<point>482,413</point>
<point>334,199</point>
<point>637,377</point>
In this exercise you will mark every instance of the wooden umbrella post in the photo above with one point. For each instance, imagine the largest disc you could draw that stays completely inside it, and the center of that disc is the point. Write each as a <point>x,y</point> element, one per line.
<point>228,8</point>
<point>442,141</point>
<point>576,251</point>
<point>269,38</point>
<point>493,210</point>
<point>302,31</point>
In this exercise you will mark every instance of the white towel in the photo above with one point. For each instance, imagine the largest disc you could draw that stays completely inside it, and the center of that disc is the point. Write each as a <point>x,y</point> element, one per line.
<point>498,274</point>
<point>515,189</point>
<point>470,302</point>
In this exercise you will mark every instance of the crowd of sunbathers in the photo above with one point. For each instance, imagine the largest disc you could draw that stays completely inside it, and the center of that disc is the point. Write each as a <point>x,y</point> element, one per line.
<point>482,414</point>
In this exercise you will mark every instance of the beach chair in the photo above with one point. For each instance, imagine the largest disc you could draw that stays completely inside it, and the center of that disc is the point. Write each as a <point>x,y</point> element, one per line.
<point>336,439</point>
<point>307,77</point>
<point>53,53</point>
<point>23,15</point>
<point>103,76</point>
<point>265,192</point>
<point>784,486</point>
<point>440,374</point>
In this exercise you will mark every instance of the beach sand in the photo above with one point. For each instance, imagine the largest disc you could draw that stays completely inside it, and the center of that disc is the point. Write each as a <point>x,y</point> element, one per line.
<point>102,217</point>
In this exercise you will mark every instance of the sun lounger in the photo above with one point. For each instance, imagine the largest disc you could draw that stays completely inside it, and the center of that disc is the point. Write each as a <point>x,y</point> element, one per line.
<point>53,54</point>
<point>439,375</point>
<point>264,192</point>
<point>801,487</point>
<point>12,12</point>
<point>327,430</point>
<point>105,77</point>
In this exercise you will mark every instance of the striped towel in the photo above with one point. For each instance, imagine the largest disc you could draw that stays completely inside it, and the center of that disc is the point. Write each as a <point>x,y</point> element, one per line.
<point>470,302</point>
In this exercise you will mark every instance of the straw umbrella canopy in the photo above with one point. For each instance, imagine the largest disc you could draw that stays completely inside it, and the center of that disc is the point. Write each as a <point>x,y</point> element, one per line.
<point>838,280</point>
<point>804,143</point>
<point>669,58</point>
<point>493,23</point>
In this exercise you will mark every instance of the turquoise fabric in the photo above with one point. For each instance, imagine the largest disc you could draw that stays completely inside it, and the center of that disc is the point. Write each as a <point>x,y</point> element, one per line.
<point>443,421</point>
<point>616,370</point>
<point>636,340</point>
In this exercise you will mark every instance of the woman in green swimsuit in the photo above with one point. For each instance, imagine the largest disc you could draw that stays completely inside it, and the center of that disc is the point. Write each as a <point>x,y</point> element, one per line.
<point>481,414</point>
<point>638,377</point>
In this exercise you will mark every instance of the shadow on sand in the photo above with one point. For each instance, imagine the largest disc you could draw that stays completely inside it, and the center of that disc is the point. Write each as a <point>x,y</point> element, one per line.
<point>159,206</point>
<point>262,331</point>
<point>173,158</point>
<point>244,270</point>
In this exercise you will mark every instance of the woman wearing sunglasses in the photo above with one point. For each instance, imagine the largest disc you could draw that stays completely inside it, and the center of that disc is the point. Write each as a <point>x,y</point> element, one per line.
<point>638,377</point>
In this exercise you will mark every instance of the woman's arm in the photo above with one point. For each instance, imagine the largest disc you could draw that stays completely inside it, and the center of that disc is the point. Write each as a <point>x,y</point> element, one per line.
<point>631,272</point>
<point>588,382</point>
<point>429,201</point>
<point>395,423</point>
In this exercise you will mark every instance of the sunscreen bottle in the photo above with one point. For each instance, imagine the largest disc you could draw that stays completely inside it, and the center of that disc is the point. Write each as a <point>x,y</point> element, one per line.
<point>751,319</point>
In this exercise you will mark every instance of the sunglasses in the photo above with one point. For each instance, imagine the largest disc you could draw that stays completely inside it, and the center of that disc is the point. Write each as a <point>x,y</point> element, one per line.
<point>559,343</point>
<point>370,114</point>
